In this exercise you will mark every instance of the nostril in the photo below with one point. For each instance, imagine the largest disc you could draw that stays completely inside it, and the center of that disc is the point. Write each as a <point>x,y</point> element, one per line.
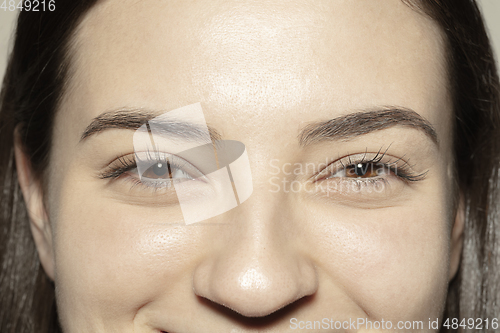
<point>259,323</point>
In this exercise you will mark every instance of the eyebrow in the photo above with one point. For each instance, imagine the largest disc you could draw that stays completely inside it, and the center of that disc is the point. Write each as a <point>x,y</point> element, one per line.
<point>133,119</point>
<point>364,122</point>
<point>340,128</point>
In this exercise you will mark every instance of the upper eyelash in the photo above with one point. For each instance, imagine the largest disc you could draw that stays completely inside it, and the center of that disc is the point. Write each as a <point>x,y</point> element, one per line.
<point>114,172</point>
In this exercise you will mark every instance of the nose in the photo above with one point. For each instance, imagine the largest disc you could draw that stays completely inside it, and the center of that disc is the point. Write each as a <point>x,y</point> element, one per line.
<point>259,268</point>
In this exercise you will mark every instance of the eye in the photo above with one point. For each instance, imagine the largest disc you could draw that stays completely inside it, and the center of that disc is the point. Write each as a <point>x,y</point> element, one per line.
<point>370,167</point>
<point>158,170</point>
<point>362,170</point>
<point>164,171</point>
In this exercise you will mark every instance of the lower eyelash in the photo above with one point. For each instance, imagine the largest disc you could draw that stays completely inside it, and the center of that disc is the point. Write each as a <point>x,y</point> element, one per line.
<point>138,182</point>
<point>354,186</point>
<point>359,182</point>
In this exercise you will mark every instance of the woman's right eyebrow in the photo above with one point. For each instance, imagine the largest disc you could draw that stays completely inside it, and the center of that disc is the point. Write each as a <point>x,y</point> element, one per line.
<point>360,123</point>
<point>133,119</point>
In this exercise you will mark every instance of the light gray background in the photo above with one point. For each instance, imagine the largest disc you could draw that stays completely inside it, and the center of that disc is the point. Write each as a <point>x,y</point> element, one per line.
<point>491,11</point>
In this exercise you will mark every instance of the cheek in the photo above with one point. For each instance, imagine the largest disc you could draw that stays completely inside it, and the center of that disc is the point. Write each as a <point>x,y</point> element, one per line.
<point>392,262</point>
<point>112,258</point>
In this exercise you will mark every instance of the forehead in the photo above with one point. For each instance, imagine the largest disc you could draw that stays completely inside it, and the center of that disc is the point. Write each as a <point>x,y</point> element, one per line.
<point>259,58</point>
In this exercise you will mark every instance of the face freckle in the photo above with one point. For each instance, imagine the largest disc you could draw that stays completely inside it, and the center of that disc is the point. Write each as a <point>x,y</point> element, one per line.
<point>372,246</point>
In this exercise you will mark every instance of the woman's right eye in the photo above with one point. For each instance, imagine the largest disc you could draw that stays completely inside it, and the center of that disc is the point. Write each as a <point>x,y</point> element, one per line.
<point>165,171</point>
<point>159,170</point>
<point>157,179</point>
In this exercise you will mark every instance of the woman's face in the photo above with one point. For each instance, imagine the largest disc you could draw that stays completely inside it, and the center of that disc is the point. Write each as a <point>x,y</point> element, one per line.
<point>354,220</point>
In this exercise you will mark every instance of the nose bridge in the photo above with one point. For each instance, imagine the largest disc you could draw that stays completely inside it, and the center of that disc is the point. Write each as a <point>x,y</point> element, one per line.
<point>258,270</point>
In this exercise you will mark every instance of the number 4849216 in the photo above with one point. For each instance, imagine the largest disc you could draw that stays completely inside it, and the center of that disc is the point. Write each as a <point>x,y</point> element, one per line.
<point>471,323</point>
<point>29,5</point>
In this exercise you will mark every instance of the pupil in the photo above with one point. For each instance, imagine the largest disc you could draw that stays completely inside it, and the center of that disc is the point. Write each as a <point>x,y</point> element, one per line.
<point>160,169</point>
<point>358,170</point>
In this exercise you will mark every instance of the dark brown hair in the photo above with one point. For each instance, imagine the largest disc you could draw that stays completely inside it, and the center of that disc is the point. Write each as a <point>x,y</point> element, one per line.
<point>32,89</point>
<point>33,86</point>
<point>475,291</point>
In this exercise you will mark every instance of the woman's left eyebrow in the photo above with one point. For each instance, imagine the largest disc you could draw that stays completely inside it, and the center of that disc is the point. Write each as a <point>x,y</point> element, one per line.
<point>361,123</point>
<point>132,119</point>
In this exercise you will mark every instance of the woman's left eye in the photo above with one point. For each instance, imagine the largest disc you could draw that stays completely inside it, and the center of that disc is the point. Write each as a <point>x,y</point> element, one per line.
<point>361,170</point>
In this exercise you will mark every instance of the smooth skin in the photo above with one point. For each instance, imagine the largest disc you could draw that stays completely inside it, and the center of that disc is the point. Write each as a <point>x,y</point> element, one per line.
<point>262,71</point>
